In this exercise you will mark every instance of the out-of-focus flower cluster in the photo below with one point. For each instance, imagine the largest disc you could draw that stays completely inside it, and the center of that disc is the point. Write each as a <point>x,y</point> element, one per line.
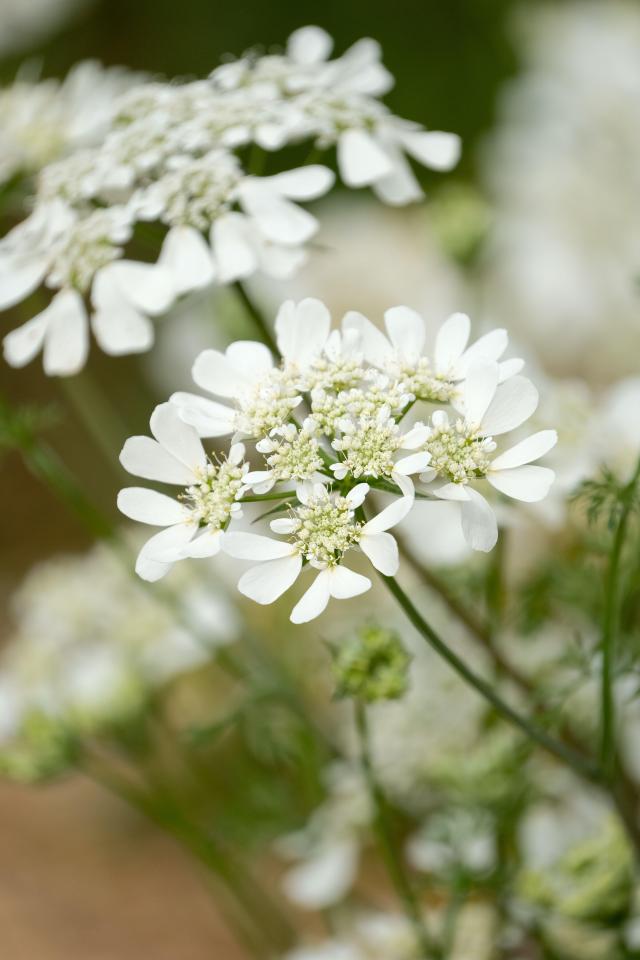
<point>89,648</point>
<point>183,157</point>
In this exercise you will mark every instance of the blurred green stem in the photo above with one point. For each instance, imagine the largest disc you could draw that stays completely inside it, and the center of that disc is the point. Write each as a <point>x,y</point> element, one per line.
<point>610,629</point>
<point>582,765</point>
<point>239,914</point>
<point>95,412</point>
<point>257,317</point>
<point>386,841</point>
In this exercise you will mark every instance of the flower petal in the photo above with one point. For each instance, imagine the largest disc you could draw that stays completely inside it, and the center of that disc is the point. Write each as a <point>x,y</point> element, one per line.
<point>118,327</point>
<point>433,148</point>
<point>414,463</point>
<point>268,581</point>
<point>279,219</point>
<point>250,358</point>
<point>253,546</point>
<point>514,402</point>
<point>309,45</point>
<point>528,450</point>
<point>144,457</point>
<point>21,345</point>
<point>66,340</point>
<point>169,542</point>
<point>451,340</point>
<point>489,347</point>
<point>345,583</point>
<point>208,418</point>
<point>406,332</point>
<point>478,520</point>
<point>188,257</point>
<point>235,254</point>
<point>314,601</point>
<point>214,372</point>
<point>149,506</point>
<point>382,550</point>
<point>377,349</point>
<point>303,183</point>
<point>19,276</point>
<point>176,436</point>
<point>400,186</point>
<point>302,330</point>
<point>390,516</point>
<point>206,544</point>
<point>527,483</point>
<point>148,286</point>
<point>479,390</point>
<point>361,159</point>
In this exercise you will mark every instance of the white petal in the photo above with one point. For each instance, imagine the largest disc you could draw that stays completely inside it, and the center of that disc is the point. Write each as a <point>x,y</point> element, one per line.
<point>309,45</point>
<point>322,880</point>
<point>253,546</point>
<point>399,187</point>
<point>280,262</point>
<point>304,183</point>
<point>167,542</point>
<point>187,255</point>
<point>357,494</point>
<point>489,347</point>
<point>528,450</point>
<point>149,506</point>
<point>66,340</point>
<point>234,252</point>
<point>206,544</point>
<point>382,550</point>
<point>452,491</point>
<point>313,601</point>
<point>148,286</point>
<point>279,219</point>
<point>251,359</point>
<point>479,390</point>
<point>118,327</point>
<point>435,149</point>
<point>377,349</point>
<point>144,457</point>
<point>478,522</point>
<point>527,483</point>
<point>361,159</point>
<point>345,583</point>
<point>515,400</point>
<point>19,276</point>
<point>415,437</point>
<point>208,418</point>
<point>283,525</point>
<point>268,581</point>
<point>406,332</point>
<point>509,368</point>
<point>390,516</point>
<point>451,340</point>
<point>414,463</point>
<point>21,345</point>
<point>213,372</point>
<point>302,330</point>
<point>176,436</point>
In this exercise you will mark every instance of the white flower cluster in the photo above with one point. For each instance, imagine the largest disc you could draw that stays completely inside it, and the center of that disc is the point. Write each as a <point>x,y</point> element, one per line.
<point>329,421</point>
<point>175,155</point>
<point>85,656</point>
<point>44,120</point>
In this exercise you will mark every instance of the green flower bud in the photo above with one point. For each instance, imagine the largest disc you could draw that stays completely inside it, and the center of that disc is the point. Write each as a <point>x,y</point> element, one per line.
<point>373,665</point>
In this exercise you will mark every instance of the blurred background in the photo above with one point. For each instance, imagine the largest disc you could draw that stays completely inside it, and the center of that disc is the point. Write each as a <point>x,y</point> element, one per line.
<point>536,230</point>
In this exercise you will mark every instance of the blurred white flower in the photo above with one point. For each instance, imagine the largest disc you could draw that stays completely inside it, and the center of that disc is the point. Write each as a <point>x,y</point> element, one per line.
<point>563,169</point>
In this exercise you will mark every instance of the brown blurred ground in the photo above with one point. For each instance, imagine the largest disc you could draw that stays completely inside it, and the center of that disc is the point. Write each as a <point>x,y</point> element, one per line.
<point>82,878</point>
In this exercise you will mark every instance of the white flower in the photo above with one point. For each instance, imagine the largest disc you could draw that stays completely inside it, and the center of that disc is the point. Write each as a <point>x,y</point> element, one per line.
<point>461,453</point>
<point>195,521</point>
<point>402,354</point>
<point>291,454</point>
<point>368,446</point>
<point>321,530</point>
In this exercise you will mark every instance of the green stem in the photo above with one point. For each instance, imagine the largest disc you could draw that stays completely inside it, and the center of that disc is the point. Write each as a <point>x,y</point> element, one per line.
<point>610,630</point>
<point>582,765</point>
<point>257,317</point>
<point>392,860</point>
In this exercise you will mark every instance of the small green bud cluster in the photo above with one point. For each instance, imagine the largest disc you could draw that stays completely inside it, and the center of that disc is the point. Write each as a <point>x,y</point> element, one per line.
<point>373,665</point>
